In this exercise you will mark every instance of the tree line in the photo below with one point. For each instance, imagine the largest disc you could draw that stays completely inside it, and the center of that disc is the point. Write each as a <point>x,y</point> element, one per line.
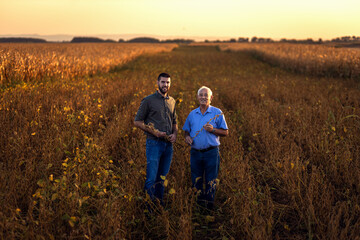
<point>344,39</point>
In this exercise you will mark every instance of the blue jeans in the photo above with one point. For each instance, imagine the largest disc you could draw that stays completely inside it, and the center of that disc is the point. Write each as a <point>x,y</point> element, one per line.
<point>159,154</point>
<point>205,165</point>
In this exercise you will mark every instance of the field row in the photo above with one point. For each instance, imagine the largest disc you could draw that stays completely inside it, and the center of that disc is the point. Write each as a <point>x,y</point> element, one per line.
<point>318,60</point>
<point>74,165</point>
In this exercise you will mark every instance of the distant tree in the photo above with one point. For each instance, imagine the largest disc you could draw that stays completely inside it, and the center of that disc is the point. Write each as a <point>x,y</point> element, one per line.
<point>232,40</point>
<point>144,40</point>
<point>290,40</point>
<point>206,40</point>
<point>86,39</point>
<point>254,39</point>
<point>345,39</point>
<point>121,40</point>
<point>178,40</point>
<point>240,39</point>
<point>22,40</point>
<point>110,41</point>
<point>264,40</point>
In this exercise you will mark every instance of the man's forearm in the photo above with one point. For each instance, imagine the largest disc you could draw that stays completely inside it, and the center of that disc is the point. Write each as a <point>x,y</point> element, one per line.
<point>220,132</point>
<point>187,137</point>
<point>186,133</point>
<point>141,125</point>
<point>175,129</point>
<point>149,129</point>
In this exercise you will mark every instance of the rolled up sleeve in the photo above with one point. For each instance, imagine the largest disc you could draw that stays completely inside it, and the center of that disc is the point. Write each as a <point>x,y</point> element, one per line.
<point>142,111</point>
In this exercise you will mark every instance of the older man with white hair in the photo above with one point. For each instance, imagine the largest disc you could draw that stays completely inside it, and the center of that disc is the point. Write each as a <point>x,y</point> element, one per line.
<point>203,128</point>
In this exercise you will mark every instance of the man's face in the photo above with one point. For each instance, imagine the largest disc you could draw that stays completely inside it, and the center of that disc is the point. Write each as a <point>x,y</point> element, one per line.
<point>204,98</point>
<point>164,84</point>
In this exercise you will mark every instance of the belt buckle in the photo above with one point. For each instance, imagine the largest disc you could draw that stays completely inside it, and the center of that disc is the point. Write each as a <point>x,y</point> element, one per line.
<point>203,150</point>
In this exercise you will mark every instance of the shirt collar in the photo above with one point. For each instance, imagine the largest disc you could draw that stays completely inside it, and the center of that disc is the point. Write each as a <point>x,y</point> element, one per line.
<point>161,96</point>
<point>209,110</point>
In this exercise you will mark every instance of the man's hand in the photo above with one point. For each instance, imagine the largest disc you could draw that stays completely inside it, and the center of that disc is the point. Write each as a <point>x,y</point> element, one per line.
<point>208,127</point>
<point>160,134</point>
<point>172,138</point>
<point>188,140</point>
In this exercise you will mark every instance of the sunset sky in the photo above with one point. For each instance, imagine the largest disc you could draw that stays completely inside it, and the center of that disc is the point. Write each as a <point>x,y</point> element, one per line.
<point>275,19</point>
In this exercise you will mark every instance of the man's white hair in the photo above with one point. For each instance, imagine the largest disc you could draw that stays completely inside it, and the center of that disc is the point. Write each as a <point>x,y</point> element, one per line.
<point>204,87</point>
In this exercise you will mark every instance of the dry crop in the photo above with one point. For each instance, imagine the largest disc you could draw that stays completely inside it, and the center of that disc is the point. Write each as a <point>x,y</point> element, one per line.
<point>39,62</point>
<point>73,166</point>
<point>319,60</point>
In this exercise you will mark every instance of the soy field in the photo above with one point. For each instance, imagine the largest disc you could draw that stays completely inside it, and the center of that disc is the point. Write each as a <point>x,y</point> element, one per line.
<point>73,165</point>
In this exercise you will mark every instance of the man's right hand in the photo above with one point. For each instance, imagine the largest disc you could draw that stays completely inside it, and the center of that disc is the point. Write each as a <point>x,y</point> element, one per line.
<point>188,140</point>
<point>160,134</point>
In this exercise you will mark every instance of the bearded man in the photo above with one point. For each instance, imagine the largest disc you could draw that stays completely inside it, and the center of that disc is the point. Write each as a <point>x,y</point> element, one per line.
<point>158,111</point>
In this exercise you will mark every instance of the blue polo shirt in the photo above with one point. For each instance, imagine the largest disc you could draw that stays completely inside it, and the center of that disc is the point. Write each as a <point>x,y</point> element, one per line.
<point>196,120</point>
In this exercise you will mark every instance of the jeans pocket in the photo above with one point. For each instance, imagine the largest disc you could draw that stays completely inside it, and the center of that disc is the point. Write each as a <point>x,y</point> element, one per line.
<point>151,142</point>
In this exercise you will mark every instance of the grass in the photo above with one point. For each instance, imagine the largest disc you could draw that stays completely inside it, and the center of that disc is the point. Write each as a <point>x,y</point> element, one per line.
<point>73,165</point>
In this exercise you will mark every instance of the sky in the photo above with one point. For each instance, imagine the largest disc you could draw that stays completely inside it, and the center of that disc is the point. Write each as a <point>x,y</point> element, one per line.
<point>276,19</point>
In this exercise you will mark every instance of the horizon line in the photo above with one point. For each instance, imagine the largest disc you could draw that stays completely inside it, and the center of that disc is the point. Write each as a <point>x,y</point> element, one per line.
<point>161,37</point>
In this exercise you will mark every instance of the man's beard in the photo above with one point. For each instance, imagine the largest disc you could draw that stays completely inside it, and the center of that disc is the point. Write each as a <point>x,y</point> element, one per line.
<point>160,89</point>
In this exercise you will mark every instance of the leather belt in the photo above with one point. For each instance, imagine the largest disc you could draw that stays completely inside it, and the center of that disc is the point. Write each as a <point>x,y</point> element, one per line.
<point>205,149</point>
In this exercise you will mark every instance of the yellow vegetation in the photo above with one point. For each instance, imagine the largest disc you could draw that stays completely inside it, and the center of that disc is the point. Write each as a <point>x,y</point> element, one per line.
<point>39,62</point>
<point>72,165</point>
<point>324,60</point>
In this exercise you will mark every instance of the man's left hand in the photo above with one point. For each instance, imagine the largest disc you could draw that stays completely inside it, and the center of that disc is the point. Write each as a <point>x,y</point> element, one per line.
<point>172,138</point>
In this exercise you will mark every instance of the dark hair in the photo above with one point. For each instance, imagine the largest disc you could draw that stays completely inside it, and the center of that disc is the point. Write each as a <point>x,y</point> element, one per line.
<point>165,75</point>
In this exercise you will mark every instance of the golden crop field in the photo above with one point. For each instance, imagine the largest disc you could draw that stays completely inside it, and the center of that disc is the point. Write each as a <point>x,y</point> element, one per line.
<point>322,60</point>
<point>39,62</point>
<point>73,165</point>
